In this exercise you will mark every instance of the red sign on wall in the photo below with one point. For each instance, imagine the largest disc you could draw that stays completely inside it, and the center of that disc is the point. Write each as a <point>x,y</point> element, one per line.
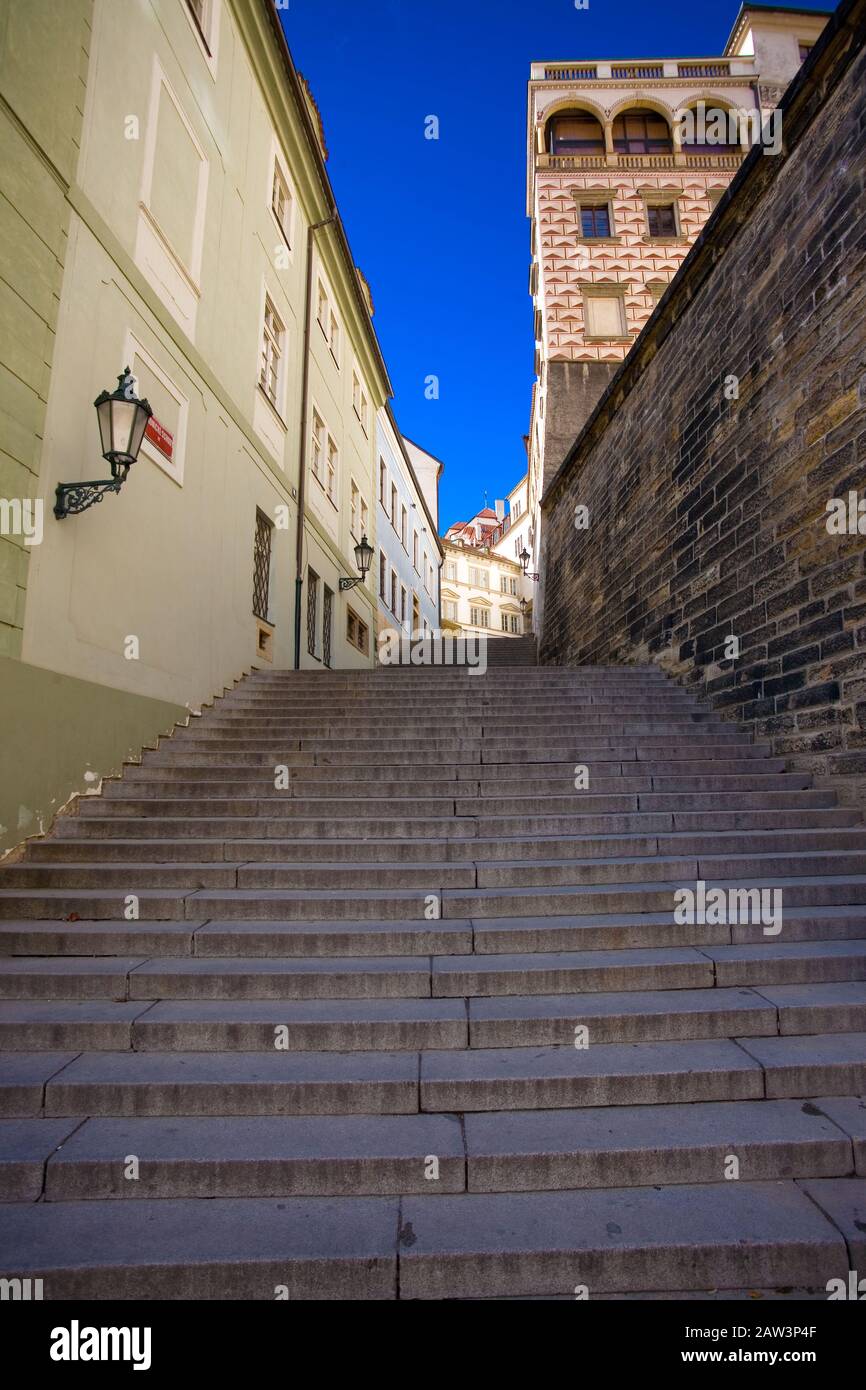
<point>159,436</point>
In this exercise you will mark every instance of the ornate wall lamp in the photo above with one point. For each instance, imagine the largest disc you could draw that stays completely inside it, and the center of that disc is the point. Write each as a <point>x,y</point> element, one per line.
<point>363,559</point>
<point>524,560</point>
<point>122,422</point>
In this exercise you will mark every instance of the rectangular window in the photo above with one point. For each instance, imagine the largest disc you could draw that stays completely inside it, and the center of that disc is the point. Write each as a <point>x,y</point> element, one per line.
<point>415,551</point>
<point>365,412</point>
<point>357,632</point>
<point>383,483</point>
<point>281,203</point>
<point>364,527</point>
<point>479,617</point>
<point>404,522</point>
<point>394,506</point>
<point>334,338</point>
<point>383,577</point>
<point>394,592</point>
<point>661,219</point>
<point>356,395</point>
<point>503,584</point>
<point>514,587</point>
<point>480,578</point>
<point>273,337</point>
<point>333,464</point>
<point>262,567</point>
<point>312,610</point>
<point>449,609</point>
<point>604,316</point>
<point>594,220</point>
<point>354,499</point>
<point>403,597</point>
<point>504,622</point>
<point>450,569</point>
<point>515,624</point>
<point>322,309</point>
<point>200,10</point>
<point>327,624</point>
<point>318,452</point>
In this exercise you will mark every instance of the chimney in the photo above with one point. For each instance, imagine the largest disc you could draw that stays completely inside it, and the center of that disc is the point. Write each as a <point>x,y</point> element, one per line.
<point>500,510</point>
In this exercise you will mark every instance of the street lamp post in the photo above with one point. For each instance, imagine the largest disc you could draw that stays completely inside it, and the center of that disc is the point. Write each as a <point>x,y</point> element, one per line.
<point>122,422</point>
<point>363,559</point>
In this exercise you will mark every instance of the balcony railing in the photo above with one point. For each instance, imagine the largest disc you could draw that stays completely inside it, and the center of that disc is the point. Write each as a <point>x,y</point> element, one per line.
<point>564,162</point>
<point>641,72</point>
<point>575,72</point>
<point>651,71</point>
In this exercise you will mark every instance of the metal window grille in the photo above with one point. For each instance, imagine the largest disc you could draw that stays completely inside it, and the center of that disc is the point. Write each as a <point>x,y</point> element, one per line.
<point>261,567</point>
<point>312,610</point>
<point>327,618</point>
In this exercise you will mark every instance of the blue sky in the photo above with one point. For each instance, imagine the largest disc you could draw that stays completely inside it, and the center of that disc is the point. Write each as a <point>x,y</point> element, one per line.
<point>427,219</point>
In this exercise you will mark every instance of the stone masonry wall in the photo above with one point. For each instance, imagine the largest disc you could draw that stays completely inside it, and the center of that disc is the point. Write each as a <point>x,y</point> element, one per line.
<point>708,509</point>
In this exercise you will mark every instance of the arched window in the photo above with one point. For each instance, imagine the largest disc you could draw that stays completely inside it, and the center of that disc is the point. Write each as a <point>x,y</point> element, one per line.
<point>574,132</point>
<point>710,130</point>
<point>640,131</point>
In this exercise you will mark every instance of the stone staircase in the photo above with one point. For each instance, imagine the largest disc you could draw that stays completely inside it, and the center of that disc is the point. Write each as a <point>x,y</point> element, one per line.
<point>512,651</point>
<point>375,914</point>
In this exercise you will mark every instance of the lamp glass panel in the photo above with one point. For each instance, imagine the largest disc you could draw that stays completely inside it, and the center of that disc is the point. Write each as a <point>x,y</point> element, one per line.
<point>141,419</point>
<point>103,415</point>
<point>123,420</point>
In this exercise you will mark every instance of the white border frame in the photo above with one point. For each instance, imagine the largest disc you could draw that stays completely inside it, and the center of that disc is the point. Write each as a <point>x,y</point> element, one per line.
<point>173,469</point>
<point>191,272</point>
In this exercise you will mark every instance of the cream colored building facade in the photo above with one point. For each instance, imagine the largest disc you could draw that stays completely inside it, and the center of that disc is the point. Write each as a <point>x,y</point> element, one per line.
<point>170,212</point>
<point>481,588</point>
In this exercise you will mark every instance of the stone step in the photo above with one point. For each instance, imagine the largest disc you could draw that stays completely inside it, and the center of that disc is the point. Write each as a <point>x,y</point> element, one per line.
<point>727,1235</point>
<point>444,828</point>
<point>377,1082</point>
<point>261,1156</point>
<point>270,978</point>
<point>320,1025</point>
<point>432,877</point>
<point>477,849</point>
<point>102,938</point>
<point>653,1073</point>
<point>511,935</point>
<point>655,968</point>
<point>400,904</point>
<point>212,1083</point>
<point>665,1015</point>
<point>829,1064</point>
<point>337,1248</point>
<point>280,939</point>
<point>760,1235</point>
<point>505,936</point>
<point>641,1145</point>
<point>261,978</point>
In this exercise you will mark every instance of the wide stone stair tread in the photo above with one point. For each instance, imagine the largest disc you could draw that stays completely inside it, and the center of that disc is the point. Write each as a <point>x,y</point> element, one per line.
<point>467,1245</point>
<point>422,1023</point>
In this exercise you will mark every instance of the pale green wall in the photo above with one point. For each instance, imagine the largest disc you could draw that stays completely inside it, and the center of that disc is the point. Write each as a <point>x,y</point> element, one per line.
<point>57,729</point>
<point>43,61</point>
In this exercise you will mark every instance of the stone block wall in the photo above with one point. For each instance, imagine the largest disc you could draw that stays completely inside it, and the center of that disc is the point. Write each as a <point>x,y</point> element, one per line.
<point>709,463</point>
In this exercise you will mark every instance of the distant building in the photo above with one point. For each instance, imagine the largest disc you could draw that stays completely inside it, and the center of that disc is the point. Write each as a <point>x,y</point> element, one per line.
<point>484,591</point>
<point>409,551</point>
<point>626,160</point>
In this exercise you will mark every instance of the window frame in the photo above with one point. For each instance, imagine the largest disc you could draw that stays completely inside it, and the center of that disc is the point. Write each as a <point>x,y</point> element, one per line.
<point>277,343</point>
